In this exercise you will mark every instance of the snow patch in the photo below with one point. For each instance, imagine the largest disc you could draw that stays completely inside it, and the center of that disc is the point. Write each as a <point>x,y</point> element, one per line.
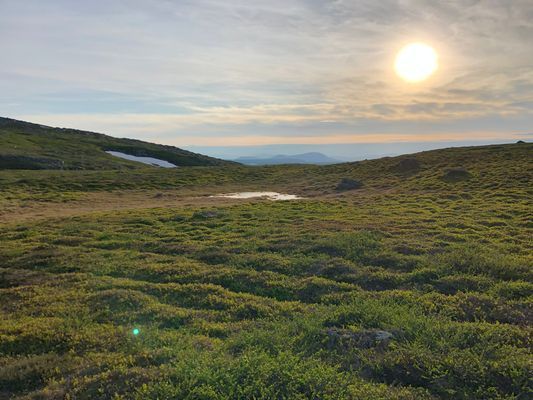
<point>145,160</point>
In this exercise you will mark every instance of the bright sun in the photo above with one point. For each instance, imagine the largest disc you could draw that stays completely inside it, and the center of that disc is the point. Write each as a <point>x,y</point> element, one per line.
<point>416,62</point>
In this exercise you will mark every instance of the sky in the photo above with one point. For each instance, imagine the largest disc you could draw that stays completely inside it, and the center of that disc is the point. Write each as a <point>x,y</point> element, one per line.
<point>226,73</point>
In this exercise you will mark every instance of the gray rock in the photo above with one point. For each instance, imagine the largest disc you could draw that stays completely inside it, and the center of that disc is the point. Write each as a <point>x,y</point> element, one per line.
<point>363,339</point>
<point>383,335</point>
<point>348,184</point>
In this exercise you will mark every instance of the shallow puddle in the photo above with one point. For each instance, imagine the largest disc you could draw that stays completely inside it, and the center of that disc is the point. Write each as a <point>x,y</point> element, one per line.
<point>268,195</point>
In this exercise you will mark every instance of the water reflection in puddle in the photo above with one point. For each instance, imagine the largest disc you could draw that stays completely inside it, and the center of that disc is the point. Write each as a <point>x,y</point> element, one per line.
<point>268,195</point>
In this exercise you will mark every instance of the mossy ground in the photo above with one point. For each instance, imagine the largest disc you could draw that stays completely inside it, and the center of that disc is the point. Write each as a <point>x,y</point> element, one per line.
<point>234,299</point>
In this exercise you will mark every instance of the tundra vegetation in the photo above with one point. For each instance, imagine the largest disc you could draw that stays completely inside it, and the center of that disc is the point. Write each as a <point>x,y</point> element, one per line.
<point>417,284</point>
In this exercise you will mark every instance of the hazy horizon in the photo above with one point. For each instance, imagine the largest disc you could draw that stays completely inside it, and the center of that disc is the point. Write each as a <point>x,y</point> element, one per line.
<point>340,151</point>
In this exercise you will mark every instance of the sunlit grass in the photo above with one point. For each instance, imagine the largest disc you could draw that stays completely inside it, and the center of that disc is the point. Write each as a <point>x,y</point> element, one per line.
<point>235,300</point>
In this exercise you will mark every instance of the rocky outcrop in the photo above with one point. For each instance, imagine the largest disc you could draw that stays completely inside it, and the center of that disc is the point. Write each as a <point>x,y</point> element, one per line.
<point>363,339</point>
<point>348,184</point>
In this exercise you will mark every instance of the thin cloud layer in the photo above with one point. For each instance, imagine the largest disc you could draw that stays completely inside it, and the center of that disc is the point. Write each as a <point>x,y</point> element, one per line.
<point>191,72</point>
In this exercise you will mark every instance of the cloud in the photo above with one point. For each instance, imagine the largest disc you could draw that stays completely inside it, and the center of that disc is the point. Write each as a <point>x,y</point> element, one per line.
<point>213,67</point>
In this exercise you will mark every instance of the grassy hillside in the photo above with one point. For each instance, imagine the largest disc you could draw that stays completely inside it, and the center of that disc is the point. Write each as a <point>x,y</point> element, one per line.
<point>418,285</point>
<point>30,146</point>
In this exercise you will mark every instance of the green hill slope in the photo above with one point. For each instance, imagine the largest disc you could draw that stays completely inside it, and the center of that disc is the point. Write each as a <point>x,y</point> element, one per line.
<point>487,168</point>
<point>25,145</point>
<point>417,285</point>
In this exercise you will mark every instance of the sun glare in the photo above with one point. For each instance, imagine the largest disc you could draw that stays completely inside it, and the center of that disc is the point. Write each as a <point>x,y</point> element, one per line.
<point>416,62</point>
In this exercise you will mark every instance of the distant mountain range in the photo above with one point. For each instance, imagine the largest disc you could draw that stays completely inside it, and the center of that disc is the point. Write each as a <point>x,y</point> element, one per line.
<point>305,158</point>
